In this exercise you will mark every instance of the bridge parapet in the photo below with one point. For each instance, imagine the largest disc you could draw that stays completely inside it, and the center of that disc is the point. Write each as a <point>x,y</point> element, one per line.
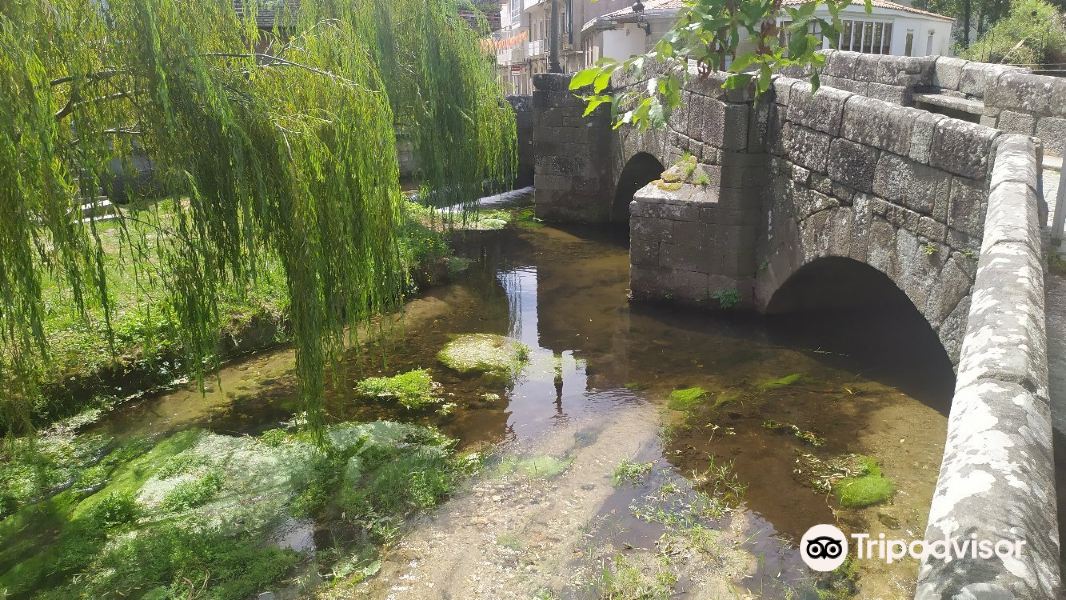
<point>997,478</point>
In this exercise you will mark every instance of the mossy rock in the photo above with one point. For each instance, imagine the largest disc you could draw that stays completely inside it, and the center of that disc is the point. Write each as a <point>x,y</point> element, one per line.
<point>686,399</point>
<point>486,353</point>
<point>868,488</point>
<point>413,390</point>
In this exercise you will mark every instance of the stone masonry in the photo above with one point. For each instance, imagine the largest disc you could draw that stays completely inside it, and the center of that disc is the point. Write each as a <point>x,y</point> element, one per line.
<point>948,210</point>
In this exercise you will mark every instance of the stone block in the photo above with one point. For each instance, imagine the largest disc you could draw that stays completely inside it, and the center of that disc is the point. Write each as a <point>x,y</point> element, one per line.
<point>1052,131</point>
<point>1012,215</point>
<point>848,85</point>
<point>893,94</point>
<point>922,136</point>
<point>932,230</point>
<point>875,123</point>
<point>947,72</point>
<point>977,77</point>
<point>822,111</point>
<point>783,89</point>
<point>808,202</point>
<point>1016,159</point>
<point>842,64</point>
<point>1015,122</point>
<point>967,205</point>
<point>1022,92</point>
<point>916,186</point>
<point>853,164</point>
<point>865,68</point>
<point>724,125</point>
<point>962,148</point>
<point>806,147</point>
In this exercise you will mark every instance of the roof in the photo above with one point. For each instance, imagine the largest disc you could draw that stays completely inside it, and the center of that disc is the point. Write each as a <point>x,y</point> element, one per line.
<point>652,8</point>
<point>885,4</point>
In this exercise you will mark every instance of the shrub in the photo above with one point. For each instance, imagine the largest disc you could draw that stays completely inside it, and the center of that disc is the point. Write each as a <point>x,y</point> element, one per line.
<point>1035,24</point>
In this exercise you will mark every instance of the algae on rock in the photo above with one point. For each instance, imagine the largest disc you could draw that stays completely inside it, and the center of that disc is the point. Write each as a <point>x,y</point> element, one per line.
<point>486,353</point>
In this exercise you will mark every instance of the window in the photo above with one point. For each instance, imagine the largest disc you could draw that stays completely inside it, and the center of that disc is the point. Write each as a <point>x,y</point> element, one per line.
<point>929,45</point>
<point>909,50</point>
<point>784,35</point>
<point>516,12</point>
<point>869,37</point>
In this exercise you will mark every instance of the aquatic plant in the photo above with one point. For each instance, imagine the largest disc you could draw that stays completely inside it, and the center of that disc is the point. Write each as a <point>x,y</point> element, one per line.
<point>773,384</point>
<point>686,399</point>
<point>487,353</point>
<point>629,471</point>
<point>803,435</point>
<point>865,489</point>
<point>543,467</point>
<point>414,389</point>
<point>622,580</point>
<point>290,155</point>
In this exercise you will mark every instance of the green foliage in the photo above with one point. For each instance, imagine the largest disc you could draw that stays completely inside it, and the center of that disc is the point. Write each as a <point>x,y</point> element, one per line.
<point>116,509</point>
<point>629,471</point>
<point>289,155</point>
<point>1032,33</point>
<point>193,493</point>
<point>709,33</point>
<point>622,580</point>
<point>840,583</point>
<point>868,488</point>
<point>727,299</point>
<point>414,389</point>
<point>686,399</point>
<point>494,355</point>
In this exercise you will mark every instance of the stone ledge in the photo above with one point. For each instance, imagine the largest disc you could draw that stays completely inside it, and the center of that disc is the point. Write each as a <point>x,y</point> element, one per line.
<point>997,479</point>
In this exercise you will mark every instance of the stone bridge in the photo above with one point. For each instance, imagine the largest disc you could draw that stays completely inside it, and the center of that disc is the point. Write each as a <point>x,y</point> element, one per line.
<point>924,172</point>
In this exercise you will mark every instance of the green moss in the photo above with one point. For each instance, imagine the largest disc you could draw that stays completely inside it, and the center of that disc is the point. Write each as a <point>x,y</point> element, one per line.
<point>866,489</point>
<point>485,353</point>
<point>686,399</point>
<point>413,389</point>
<point>773,384</point>
<point>544,467</point>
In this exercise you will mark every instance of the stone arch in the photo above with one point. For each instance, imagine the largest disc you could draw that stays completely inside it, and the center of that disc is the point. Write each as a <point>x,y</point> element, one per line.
<point>641,169</point>
<point>935,280</point>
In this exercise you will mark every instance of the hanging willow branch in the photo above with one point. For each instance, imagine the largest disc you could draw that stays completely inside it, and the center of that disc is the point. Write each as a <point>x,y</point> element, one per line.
<point>289,152</point>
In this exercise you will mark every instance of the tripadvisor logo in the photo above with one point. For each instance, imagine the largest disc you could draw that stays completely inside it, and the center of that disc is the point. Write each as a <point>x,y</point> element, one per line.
<point>824,547</point>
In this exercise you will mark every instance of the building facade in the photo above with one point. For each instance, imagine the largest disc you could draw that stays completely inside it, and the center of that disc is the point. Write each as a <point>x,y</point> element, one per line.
<point>611,28</point>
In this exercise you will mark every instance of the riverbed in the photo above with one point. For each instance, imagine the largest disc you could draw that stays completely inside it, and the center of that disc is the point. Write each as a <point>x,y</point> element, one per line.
<point>640,490</point>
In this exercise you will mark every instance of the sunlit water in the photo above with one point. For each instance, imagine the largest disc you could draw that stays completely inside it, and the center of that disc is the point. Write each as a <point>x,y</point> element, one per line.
<point>875,386</point>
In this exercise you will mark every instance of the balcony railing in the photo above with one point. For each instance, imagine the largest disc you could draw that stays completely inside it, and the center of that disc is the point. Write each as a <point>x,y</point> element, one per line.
<point>537,47</point>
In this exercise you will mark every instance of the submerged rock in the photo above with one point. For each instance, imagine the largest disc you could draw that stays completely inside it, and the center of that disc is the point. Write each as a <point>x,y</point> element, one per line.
<point>485,353</point>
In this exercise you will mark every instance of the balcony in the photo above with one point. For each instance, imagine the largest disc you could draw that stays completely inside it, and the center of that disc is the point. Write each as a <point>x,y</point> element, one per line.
<point>537,48</point>
<point>511,56</point>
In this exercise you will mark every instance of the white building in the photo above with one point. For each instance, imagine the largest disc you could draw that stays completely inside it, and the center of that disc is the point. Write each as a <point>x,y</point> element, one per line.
<point>591,30</point>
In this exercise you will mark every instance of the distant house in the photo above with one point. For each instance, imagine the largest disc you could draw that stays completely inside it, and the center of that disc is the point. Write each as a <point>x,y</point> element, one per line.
<point>890,28</point>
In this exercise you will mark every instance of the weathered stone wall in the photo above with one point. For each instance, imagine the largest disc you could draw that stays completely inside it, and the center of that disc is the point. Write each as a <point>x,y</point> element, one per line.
<point>884,77</point>
<point>997,477</point>
<point>572,159</point>
<point>896,188</point>
<point>523,110</point>
<point>699,242</point>
<point>1028,104</point>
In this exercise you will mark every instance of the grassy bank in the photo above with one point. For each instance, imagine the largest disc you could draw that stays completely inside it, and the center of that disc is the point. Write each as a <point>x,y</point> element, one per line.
<point>89,370</point>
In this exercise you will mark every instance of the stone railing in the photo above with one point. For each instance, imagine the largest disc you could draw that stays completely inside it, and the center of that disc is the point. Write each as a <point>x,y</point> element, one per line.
<point>1030,105</point>
<point>997,478</point>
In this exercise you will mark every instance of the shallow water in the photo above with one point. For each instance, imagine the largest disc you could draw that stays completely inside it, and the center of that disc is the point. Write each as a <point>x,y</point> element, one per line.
<point>872,385</point>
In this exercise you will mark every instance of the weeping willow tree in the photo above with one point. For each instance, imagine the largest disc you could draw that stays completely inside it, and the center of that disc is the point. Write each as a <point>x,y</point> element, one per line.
<point>275,143</point>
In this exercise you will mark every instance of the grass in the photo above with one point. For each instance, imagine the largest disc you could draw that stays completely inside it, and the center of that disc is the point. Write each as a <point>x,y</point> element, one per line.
<point>629,471</point>
<point>686,399</point>
<point>866,489</point>
<point>193,515</point>
<point>622,580</point>
<point>413,390</point>
<point>486,353</point>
